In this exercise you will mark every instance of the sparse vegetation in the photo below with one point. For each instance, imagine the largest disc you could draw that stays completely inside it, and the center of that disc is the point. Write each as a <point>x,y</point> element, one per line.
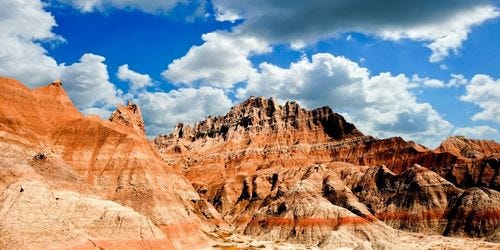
<point>40,156</point>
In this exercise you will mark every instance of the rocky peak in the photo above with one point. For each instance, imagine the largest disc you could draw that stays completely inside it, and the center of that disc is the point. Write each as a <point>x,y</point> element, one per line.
<point>20,107</point>
<point>54,159</point>
<point>130,116</point>
<point>258,115</point>
<point>468,148</point>
<point>57,82</point>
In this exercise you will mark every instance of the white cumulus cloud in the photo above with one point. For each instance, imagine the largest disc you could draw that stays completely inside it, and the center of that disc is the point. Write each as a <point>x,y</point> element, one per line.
<point>478,132</point>
<point>428,82</point>
<point>162,110</point>
<point>455,81</point>
<point>381,105</point>
<point>136,80</point>
<point>87,84</point>
<point>23,25</point>
<point>484,92</point>
<point>221,61</point>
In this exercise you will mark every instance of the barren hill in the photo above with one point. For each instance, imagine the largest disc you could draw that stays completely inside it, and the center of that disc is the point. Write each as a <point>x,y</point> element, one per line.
<point>78,181</point>
<point>282,172</point>
<point>264,175</point>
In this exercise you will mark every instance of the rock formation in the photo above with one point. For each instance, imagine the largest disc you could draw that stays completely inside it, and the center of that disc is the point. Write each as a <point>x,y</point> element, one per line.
<point>263,175</point>
<point>89,181</point>
<point>468,148</point>
<point>129,116</point>
<point>259,134</point>
<point>254,159</point>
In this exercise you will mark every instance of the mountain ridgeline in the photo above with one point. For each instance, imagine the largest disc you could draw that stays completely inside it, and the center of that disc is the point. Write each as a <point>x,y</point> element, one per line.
<point>262,176</point>
<point>263,165</point>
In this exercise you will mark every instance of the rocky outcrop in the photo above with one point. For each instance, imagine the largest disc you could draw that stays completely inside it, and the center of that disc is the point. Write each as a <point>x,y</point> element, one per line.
<point>40,215</point>
<point>274,173</point>
<point>44,203</point>
<point>318,203</point>
<point>260,134</point>
<point>248,160</point>
<point>416,200</point>
<point>303,216</point>
<point>78,163</point>
<point>476,213</point>
<point>468,148</point>
<point>129,116</point>
<point>479,162</point>
<point>258,116</point>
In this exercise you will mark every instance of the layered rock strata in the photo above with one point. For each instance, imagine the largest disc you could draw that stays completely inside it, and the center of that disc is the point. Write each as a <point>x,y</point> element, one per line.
<point>248,160</point>
<point>101,178</point>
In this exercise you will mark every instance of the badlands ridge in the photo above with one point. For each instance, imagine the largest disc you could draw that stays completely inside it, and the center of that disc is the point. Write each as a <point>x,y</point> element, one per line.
<point>262,176</point>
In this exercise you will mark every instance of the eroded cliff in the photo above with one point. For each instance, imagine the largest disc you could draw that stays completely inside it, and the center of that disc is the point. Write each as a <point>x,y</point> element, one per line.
<point>276,161</point>
<point>81,180</point>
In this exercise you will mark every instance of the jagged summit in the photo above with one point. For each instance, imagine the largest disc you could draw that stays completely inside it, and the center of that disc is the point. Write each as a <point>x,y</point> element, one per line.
<point>259,134</point>
<point>468,148</point>
<point>273,172</point>
<point>258,116</point>
<point>57,82</point>
<point>129,116</point>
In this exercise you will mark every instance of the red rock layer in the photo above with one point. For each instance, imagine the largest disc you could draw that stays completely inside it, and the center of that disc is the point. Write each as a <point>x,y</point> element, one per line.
<point>112,159</point>
<point>237,162</point>
<point>259,134</point>
<point>468,148</point>
<point>310,204</point>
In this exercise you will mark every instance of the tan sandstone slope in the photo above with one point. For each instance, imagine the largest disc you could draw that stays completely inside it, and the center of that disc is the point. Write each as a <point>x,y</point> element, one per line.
<point>69,180</point>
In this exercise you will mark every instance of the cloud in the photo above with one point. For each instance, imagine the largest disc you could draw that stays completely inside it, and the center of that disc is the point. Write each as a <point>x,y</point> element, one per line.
<point>484,92</point>
<point>455,81</point>
<point>447,35</point>
<point>478,132</point>
<point>23,25</point>
<point>136,81</point>
<point>381,105</point>
<point>428,82</point>
<point>221,61</point>
<point>150,6</point>
<point>87,84</point>
<point>443,26</point>
<point>162,110</point>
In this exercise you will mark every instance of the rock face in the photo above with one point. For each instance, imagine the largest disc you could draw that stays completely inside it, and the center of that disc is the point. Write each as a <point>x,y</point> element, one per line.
<point>416,200</point>
<point>42,215</point>
<point>468,148</point>
<point>480,162</point>
<point>92,183</point>
<point>259,134</point>
<point>273,173</point>
<point>475,212</point>
<point>129,116</point>
<point>276,161</point>
<point>343,205</point>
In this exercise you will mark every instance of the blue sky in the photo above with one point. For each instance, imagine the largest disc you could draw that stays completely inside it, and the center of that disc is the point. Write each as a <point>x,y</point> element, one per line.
<point>421,70</point>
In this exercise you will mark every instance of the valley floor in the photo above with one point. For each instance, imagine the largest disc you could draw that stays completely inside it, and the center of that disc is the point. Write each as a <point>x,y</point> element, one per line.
<point>408,241</point>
